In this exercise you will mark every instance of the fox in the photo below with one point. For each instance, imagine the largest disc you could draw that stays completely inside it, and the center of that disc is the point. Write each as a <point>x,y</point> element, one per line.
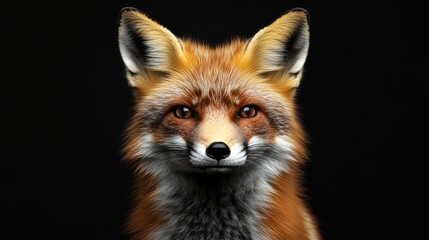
<point>215,139</point>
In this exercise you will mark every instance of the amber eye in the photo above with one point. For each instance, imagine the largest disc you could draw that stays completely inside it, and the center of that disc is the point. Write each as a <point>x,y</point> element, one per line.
<point>183,112</point>
<point>248,112</point>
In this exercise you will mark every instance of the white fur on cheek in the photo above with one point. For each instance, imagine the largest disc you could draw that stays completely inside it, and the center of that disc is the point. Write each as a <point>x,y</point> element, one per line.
<point>276,159</point>
<point>177,142</point>
<point>145,145</point>
<point>159,158</point>
<point>286,146</point>
<point>255,141</point>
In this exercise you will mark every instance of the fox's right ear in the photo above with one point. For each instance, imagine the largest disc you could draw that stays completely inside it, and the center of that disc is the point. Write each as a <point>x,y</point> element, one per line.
<point>281,47</point>
<point>145,46</point>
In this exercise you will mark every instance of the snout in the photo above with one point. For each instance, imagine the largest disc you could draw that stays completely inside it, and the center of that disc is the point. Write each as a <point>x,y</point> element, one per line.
<point>218,157</point>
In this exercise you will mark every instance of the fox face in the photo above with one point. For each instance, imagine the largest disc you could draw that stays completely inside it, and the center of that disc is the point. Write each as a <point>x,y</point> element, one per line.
<point>214,110</point>
<point>215,135</point>
<point>195,131</point>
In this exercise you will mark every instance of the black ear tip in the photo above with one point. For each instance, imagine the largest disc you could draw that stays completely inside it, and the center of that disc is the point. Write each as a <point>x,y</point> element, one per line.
<point>298,9</point>
<point>128,9</point>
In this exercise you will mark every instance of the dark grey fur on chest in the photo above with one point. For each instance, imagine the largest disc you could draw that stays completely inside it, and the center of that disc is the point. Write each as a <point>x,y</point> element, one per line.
<point>212,208</point>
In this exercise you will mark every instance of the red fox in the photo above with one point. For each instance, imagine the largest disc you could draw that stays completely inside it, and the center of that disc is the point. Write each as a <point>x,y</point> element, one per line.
<point>215,139</point>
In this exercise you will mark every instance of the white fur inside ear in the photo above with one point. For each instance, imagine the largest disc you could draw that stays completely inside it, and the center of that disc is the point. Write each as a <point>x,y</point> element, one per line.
<point>299,61</point>
<point>126,57</point>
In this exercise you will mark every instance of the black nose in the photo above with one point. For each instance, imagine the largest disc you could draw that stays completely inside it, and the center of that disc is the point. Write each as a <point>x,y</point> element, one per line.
<point>218,150</point>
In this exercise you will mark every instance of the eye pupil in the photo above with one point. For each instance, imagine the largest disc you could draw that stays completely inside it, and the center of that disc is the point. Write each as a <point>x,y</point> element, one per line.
<point>248,112</point>
<point>183,112</point>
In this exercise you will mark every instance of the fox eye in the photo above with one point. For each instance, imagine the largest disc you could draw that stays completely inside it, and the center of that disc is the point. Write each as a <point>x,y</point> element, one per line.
<point>248,112</point>
<point>183,112</point>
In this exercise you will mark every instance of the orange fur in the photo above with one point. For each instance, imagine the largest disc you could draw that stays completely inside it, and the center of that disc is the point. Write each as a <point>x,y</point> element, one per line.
<point>145,217</point>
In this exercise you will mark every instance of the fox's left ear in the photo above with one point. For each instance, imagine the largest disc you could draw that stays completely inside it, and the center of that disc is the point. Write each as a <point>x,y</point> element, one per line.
<point>280,47</point>
<point>146,46</point>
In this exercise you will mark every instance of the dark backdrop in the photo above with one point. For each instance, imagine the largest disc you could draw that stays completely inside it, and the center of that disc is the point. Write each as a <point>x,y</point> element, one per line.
<point>65,104</point>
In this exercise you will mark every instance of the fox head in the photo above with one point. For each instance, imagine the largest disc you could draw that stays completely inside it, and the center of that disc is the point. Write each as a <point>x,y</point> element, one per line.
<point>217,110</point>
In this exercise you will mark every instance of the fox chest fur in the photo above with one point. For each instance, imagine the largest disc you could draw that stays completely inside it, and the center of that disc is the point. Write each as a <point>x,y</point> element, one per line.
<point>211,210</point>
<point>215,139</point>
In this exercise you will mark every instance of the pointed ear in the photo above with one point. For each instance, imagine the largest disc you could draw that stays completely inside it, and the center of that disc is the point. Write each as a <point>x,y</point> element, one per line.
<point>282,46</point>
<point>145,45</point>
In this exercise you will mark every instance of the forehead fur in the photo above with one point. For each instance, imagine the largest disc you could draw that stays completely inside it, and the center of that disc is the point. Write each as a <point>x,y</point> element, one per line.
<point>214,74</point>
<point>223,56</point>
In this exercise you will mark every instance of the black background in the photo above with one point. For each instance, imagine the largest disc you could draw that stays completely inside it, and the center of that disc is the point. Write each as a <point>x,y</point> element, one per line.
<point>65,104</point>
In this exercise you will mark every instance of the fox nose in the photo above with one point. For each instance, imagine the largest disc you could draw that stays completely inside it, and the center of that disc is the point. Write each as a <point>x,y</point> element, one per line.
<point>218,150</point>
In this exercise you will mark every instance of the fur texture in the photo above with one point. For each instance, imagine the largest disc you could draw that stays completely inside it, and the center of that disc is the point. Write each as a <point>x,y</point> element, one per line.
<point>190,96</point>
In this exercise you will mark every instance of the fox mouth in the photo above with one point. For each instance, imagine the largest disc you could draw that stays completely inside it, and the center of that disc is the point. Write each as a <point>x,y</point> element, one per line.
<point>218,169</point>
